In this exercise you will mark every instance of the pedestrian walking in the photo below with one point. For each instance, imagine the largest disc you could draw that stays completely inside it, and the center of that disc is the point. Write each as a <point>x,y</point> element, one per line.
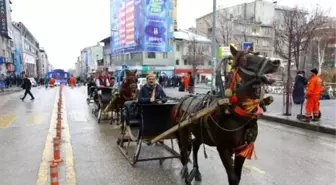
<point>26,85</point>
<point>2,83</point>
<point>191,84</point>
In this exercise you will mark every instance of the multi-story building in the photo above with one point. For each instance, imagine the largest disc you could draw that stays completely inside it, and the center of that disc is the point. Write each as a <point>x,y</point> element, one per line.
<point>6,56</point>
<point>175,62</point>
<point>247,22</point>
<point>107,53</point>
<point>91,57</point>
<point>185,43</point>
<point>30,50</point>
<point>42,63</point>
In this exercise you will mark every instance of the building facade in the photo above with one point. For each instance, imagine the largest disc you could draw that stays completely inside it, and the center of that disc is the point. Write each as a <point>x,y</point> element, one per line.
<point>30,50</point>
<point>7,65</point>
<point>169,63</point>
<point>247,22</point>
<point>91,57</point>
<point>43,63</point>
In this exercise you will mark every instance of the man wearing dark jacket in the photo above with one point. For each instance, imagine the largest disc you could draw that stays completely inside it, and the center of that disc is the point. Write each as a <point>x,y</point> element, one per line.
<point>152,92</point>
<point>191,85</point>
<point>27,86</point>
<point>299,87</point>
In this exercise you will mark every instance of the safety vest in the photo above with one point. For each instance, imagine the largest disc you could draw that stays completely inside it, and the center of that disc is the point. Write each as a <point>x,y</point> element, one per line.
<point>314,86</point>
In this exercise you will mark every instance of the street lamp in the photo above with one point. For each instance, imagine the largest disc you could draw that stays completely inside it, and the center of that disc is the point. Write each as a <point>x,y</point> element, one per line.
<point>213,49</point>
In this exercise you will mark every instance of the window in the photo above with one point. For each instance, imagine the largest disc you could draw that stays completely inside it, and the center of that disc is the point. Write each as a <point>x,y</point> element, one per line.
<point>165,55</point>
<point>132,56</point>
<point>177,47</point>
<point>177,62</point>
<point>209,62</point>
<point>150,55</point>
<point>185,62</point>
<point>265,43</point>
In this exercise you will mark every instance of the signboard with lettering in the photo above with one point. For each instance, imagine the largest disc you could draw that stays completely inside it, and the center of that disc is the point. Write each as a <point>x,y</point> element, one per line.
<point>3,18</point>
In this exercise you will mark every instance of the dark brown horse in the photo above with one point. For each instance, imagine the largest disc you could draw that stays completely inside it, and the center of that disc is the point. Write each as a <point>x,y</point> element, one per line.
<point>231,128</point>
<point>128,91</point>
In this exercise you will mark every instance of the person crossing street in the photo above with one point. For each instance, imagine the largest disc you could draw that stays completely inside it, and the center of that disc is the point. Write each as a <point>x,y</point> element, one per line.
<point>27,87</point>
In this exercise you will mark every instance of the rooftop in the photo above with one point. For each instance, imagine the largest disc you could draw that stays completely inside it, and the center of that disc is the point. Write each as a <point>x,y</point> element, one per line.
<point>180,34</point>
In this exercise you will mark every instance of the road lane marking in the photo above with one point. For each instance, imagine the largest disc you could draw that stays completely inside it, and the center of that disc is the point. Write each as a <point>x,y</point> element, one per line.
<point>6,120</point>
<point>47,154</point>
<point>35,119</point>
<point>69,157</point>
<point>253,168</point>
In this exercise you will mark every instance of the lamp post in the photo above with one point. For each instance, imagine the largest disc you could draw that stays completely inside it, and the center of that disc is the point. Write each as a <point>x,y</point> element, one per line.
<point>213,48</point>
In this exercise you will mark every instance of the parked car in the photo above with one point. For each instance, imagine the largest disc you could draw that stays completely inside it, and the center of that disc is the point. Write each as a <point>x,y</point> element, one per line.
<point>33,82</point>
<point>141,82</point>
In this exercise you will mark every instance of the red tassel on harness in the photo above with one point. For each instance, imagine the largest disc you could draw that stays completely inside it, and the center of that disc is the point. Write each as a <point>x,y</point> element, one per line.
<point>247,152</point>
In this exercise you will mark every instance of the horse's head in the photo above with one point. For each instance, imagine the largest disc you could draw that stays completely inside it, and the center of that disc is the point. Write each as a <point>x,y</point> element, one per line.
<point>253,67</point>
<point>131,80</point>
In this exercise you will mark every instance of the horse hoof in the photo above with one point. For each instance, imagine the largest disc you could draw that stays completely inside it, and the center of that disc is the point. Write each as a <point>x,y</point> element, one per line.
<point>187,182</point>
<point>198,176</point>
<point>184,172</point>
<point>192,175</point>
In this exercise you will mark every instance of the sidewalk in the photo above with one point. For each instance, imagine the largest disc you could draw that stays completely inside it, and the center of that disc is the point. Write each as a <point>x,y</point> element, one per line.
<point>10,90</point>
<point>275,110</point>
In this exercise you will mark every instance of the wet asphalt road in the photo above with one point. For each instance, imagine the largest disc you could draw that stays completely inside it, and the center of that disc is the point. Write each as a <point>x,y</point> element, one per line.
<point>286,155</point>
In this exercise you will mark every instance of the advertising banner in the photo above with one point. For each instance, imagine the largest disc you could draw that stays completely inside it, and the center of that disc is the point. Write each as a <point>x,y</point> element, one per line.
<point>156,25</point>
<point>3,18</point>
<point>86,58</point>
<point>139,25</point>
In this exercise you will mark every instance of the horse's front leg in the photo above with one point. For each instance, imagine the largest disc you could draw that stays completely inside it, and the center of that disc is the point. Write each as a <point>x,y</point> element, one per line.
<point>195,173</point>
<point>225,155</point>
<point>238,166</point>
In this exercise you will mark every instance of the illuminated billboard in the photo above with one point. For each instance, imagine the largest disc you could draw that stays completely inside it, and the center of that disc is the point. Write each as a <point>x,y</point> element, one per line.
<point>139,25</point>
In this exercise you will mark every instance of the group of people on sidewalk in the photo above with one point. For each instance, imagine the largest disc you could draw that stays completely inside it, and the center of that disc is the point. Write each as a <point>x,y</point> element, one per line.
<point>310,89</point>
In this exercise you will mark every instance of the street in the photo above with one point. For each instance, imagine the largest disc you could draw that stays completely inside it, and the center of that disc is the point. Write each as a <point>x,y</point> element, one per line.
<point>286,155</point>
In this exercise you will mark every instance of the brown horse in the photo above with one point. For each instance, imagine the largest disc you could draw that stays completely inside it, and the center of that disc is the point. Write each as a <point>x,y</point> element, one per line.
<point>231,128</point>
<point>128,91</point>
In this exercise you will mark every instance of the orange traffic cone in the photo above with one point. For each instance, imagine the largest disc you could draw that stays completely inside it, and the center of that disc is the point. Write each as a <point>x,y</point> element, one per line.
<point>57,150</point>
<point>54,174</point>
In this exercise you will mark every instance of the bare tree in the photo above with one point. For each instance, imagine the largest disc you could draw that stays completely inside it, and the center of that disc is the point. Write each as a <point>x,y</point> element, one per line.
<point>196,55</point>
<point>294,32</point>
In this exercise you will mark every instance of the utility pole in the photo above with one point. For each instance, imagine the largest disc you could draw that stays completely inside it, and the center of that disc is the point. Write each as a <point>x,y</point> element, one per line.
<point>214,45</point>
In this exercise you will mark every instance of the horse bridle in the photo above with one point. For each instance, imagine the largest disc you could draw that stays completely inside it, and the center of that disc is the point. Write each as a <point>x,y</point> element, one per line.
<point>257,75</point>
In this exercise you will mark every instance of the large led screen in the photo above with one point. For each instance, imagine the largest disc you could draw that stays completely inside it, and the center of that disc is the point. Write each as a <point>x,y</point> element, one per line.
<point>139,25</point>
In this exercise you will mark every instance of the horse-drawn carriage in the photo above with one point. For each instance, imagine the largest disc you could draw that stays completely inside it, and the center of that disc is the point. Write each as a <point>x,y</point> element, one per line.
<point>225,120</point>
<point>104,99</point>
<point>142,123</point>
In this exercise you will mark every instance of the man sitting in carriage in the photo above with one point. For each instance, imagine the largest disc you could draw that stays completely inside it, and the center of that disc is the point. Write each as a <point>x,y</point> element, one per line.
<point>152,92</point>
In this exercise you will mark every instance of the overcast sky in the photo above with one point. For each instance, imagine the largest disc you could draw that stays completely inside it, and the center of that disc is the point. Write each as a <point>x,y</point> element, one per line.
<point>64,27</point>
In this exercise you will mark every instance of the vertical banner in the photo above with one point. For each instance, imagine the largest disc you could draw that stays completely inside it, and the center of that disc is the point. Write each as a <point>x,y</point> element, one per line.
<point>156,25</point>
<point>86,58</point>
<point>3,18</point>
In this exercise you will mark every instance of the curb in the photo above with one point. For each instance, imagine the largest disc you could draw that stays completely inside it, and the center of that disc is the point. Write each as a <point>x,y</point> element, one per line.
<point>294,123</point>
<point>299,124</point>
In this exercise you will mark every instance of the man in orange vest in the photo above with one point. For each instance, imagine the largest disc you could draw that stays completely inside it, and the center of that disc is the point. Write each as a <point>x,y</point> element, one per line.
<point>313,94</point>
<point>72,81</point>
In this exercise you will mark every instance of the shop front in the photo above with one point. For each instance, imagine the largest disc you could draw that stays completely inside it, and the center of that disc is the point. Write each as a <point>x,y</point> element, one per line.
<point>201,74</point>
<point>145,69</point>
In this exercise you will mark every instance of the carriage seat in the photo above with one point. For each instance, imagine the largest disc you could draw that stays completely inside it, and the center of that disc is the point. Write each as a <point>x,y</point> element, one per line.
<point>106,94</point>
<point>132,113</point>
